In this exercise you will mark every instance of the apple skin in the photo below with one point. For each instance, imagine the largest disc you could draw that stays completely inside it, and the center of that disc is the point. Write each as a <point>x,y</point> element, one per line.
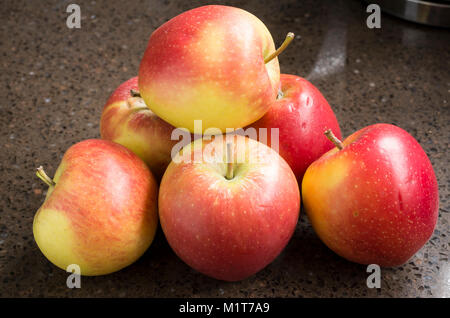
<point>102,212</point>
<point>126,120</point>
<point>376,200</point>
<point>208,64</point>
<point>229,229</point>
<point>301,115</point>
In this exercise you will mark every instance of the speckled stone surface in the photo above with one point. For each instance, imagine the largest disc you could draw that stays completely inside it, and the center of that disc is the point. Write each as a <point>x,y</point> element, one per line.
<point>54,82</point>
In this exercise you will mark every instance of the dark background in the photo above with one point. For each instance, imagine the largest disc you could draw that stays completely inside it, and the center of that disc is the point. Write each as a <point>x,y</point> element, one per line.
<point>54,82</point>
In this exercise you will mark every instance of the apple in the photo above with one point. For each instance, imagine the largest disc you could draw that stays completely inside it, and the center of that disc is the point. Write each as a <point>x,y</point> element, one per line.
<point>373,199</point>
<point>100,211</point>
<point>228,214</point>
<point>212,63</point>
<point>301,115</point>
<point>128,121</point>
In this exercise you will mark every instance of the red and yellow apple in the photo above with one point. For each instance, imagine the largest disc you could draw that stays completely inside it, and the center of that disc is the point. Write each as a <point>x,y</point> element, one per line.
<point>228,216</point>
<point>100,211</point>
<point>209,64</point>
<point>301,115</point>
<point>128,121</point>
<point>375,200</point>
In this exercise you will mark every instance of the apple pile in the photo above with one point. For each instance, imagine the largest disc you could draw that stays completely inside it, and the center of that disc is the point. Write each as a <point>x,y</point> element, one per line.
<point>229,204</point>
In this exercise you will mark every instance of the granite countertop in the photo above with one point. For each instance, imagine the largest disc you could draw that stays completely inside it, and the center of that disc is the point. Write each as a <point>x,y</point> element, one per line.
<point>55,80</point>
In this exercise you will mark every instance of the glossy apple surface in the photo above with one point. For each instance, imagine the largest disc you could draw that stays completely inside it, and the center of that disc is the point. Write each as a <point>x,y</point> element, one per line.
<point>229,229</point>
<point>376,200</point>
<point>128,121</point>
<point>208,64</point>
<point>101,214</point>
<point>301,115</point>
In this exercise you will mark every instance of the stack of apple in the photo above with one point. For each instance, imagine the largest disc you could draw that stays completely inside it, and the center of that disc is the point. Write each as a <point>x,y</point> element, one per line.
<point>372,198</point>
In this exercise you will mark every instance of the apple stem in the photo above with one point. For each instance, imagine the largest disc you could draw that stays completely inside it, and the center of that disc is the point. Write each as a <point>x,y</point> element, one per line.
<point>229,175</point>
<point>280,94</point>
<point>334,139</point>
<point>135,102</point>
<point>140,108</point>
<point>44,177</point>
<point>135,93</point>
<point>287,41</point>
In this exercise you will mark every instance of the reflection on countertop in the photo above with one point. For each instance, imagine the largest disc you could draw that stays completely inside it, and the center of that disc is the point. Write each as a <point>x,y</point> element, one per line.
<point>55,81</point>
